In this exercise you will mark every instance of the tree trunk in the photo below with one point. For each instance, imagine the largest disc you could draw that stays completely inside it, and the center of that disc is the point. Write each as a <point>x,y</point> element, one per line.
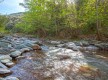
<point>97,22</point>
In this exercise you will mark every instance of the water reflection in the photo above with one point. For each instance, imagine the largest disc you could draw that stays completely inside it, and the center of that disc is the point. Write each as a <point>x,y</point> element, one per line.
<point>60,64</point>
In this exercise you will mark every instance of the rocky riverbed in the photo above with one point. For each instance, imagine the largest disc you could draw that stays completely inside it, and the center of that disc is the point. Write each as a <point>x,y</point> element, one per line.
<point>24,58</point>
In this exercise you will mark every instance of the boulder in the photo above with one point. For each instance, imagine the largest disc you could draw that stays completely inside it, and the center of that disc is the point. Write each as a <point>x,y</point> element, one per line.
<point>15,54</point>
<point>5,71</point>
<point>36,47</point>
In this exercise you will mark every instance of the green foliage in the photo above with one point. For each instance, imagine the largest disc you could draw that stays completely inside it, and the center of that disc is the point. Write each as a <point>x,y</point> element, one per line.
<point>3,20</point>
<point>51,17</point>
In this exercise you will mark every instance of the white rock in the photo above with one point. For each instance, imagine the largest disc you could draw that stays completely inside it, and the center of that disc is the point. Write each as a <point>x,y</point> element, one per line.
<point>5,61</point>
<point>5,71</point>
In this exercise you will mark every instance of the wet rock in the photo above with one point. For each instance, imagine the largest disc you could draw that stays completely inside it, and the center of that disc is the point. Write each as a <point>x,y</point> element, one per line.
<point>2,66</point>
<point>2,57</point>
<point>10,64</point>
<point>91,48</point>
<point>25,50</point>
<point>36,47</point>
<point>20,57</point>
<point>61,45</point>
<point>4,44</point>
<point>11,78</point>
<point>2,79</point>
<point>102,46</point>
<point>39,43</point>
<point>15,54</point>
<point>5,50</point>
<point>89,71</point>
<point>5,71</point>
<point>71,45</point>
<point>5,61</point>
<point>28,44</point>
<point>63,57</point>
<point>20,46</point>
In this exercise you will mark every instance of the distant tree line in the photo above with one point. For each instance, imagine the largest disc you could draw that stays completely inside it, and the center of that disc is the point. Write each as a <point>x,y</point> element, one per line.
<point>65,18</point>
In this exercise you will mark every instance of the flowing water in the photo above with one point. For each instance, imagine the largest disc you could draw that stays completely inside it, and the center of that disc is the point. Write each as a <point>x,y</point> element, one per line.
<point>61,64</point>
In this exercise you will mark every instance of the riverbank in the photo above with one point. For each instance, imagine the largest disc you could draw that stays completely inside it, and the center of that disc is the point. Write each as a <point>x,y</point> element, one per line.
<point>28,58</point>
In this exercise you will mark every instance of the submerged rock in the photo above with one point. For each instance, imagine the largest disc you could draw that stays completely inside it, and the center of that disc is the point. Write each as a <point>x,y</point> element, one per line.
<point>11,78</point>
<point>5,71</point>
<point>2,66</point>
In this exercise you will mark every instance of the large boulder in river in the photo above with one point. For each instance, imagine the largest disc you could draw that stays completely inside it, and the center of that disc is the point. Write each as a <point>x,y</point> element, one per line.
<point>15,54</point>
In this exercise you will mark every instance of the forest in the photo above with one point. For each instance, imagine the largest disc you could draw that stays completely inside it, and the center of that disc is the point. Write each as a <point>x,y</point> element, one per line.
<point>64,19</point>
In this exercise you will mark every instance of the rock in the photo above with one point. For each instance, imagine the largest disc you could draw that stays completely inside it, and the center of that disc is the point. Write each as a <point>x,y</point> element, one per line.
<point>25,50</point>
<point>2,79</point>
<point>2,66</point>
<point>5,50</point>
<point>5,61</point>
<point>84,43</point>
<point>91,48</point>
<point>28,44</point>
<point>63,57</point>
<point>55,42</point>
<point>10,64</point>
<point>71,45</point>
<point>2,57</point>
<point>36,47</point>
<point>39,43</point>
<point>3,44</point>
<point>11,78</point>
<point>20,57</point>
<point>20,46</point>
<point>5,71</point>
<point>61,45</point>
<point>102,46</point>
<point>15,54</point>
